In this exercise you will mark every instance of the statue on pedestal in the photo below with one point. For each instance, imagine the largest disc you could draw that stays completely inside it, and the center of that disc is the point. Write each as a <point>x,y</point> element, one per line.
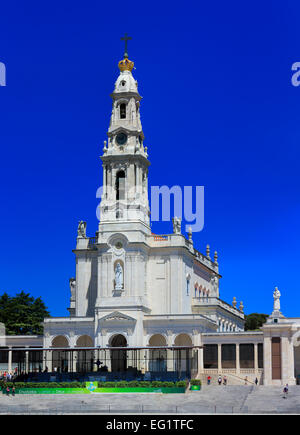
<point>72,282</point>
<point>276,296</point>
<point>81,231</point>
<point>176,225</point>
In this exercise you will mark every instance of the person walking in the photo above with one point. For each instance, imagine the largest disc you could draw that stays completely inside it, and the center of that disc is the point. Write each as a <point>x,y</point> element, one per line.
<point>285,391</point>
<point>208,380</point>
<point>7,390</point>
<point>225,380</point>
<point>219,380</point>
<point>256,381</point>
<point>13,391</point>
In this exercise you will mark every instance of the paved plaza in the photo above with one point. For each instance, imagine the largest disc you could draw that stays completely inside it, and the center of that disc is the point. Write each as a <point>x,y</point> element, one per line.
<point>211,399</point>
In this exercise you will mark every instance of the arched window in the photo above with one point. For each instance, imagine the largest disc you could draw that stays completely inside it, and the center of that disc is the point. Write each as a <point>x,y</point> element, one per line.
<point>120,185</point>
<point>123,111</point>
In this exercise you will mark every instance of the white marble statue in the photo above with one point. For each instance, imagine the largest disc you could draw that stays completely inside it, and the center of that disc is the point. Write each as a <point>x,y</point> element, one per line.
<point>72,283</point>
<point>276,296</point>
<point>118,277</point>
<point>81,231</point>
<point>176,225</point>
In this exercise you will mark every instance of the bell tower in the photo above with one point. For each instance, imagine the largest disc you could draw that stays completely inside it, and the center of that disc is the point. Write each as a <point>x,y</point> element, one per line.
<point>125,158</point>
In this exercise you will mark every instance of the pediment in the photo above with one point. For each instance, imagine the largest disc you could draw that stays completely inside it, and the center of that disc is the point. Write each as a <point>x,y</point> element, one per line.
<point>116,316</point>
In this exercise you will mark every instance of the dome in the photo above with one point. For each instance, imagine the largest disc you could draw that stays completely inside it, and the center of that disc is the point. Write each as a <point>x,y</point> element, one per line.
<point>125,83</point>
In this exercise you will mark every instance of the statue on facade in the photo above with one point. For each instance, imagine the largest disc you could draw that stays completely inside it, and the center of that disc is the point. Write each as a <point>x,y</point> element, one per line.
<point>215,284</point>
<point>276,296</point>
<point>81,231</point>
<point>176,225</point>
<point>118,277</point>
<point>72,282</point>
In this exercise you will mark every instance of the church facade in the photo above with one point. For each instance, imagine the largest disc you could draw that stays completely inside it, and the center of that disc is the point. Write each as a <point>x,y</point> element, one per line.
<point>156,296</point>
<point>149,289</point>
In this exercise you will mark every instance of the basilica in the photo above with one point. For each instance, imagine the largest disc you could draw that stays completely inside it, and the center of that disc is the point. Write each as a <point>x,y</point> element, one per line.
<point>143,305</point>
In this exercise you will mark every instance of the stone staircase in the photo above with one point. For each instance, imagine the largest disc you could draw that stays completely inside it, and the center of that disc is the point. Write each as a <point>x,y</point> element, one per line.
<point>270,399</point>
<point>233,379</point>
<point>244,399</point>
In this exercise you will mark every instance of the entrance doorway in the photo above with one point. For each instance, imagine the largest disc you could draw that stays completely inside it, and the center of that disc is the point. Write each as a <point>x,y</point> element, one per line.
<point>297,362</point>
<point>118,356</point>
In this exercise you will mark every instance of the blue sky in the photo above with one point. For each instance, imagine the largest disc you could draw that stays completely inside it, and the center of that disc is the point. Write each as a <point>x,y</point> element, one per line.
<point>218,111</point>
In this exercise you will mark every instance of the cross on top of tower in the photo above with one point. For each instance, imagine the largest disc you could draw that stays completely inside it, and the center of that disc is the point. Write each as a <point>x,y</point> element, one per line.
<point>126,38</point>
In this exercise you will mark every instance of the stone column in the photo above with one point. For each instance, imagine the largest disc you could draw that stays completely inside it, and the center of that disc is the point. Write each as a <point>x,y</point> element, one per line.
<point>49,360</point>
<point>170,359</point>
<point>255,358</point>
<point>286,361</point>
<point>200,360</point>
<point>292,362</point>
<point>26,361</point>
<point>110,184</point>
<point>237,356</point>
<point>144,354</point>
<point>104,182</point>
<point>130,187</point>
<point>146,187</point>
<point>44,359</point>
<point>267,361</point>
<point>10,359</point>
<point>220,358</point>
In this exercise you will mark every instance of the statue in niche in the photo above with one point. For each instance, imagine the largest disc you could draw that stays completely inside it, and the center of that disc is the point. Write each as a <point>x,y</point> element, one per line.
<point>118,277</point>
<point>81,231</point>
<point>276,296</point>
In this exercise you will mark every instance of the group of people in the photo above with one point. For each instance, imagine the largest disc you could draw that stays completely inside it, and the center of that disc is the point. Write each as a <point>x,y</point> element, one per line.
<point>224,380</point>
<point>8,390</point>
<point>219,380</point>
<point>8,376</point>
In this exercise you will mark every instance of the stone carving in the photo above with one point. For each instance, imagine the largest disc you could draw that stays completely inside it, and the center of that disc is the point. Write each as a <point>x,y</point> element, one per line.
<point>117,316</point>
<point>81,231</point>
<point>118,277</point>
<point>176,225</point>
<point>276,296</point>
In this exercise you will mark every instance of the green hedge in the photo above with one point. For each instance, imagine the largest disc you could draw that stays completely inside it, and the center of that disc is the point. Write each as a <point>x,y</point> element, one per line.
<point>195,382</point>
<point>144,384</point>
<point>120,384</point>
<point>18,385</point>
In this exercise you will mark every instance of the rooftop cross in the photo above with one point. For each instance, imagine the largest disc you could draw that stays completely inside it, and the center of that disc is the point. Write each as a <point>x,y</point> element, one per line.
<point>126,38</point>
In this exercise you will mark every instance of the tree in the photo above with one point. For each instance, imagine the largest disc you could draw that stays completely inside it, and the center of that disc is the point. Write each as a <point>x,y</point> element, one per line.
<point>255,321</point>
<point>22,314</point>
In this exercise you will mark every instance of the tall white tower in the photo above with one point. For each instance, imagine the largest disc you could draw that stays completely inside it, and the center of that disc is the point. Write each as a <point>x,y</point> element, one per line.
<point>125,159</point>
